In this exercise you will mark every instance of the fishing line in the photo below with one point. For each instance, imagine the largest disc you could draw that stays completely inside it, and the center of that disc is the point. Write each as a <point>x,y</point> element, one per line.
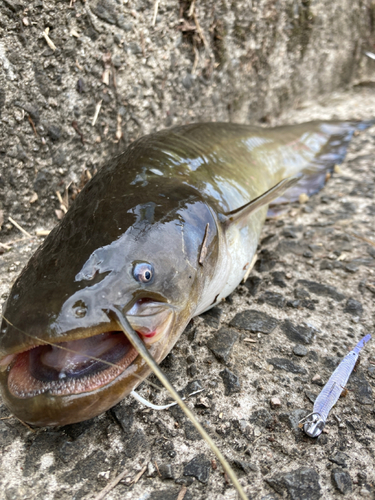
<point>137,343</point>
<point>72,351</point>
<point>142,350</point>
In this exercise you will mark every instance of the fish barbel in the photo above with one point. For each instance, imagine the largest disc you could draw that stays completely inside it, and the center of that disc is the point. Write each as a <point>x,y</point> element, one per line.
<point>163,232</point>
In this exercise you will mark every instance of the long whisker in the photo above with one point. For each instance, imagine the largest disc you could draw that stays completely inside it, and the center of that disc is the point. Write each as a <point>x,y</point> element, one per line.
<point>142,350</point>
<point>72,351</point>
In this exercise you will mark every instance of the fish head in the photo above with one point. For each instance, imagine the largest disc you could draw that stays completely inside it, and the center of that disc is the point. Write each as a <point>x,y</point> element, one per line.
<point>63,358</point>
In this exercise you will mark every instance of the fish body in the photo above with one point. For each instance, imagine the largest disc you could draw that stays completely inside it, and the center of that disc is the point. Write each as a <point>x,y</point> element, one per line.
<point>159,233</point>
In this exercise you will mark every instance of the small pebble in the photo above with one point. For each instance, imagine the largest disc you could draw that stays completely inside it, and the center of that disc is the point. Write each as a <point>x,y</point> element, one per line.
<point>254,321</point>
<point>351,268</point>
<point>341,480</point>
<point>166,471</point>
<point>261,418</point>
<point>311,396</point>
<point>337,169</point>
<point>298,333</point>
<point>275,403</point>
<point>308,254</point>
<point>371,371</point>
<point>190,359</point>
<point>199,467</point>
<point>299,350</point>
<point>287,365</point>
<point>297,484</point>
<point>339,458</point>
<point>353,307</point>
<point>231,382</point>
<point>221,344</point>
<point>192,370</point>
<point>365,493</point>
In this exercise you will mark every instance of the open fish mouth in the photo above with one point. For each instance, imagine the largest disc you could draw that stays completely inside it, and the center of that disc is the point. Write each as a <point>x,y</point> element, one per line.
<point>86,363</point>
<point>69,367</point>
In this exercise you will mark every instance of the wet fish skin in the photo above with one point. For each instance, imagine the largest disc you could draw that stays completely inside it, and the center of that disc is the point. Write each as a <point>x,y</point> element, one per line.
<point>152,204</point>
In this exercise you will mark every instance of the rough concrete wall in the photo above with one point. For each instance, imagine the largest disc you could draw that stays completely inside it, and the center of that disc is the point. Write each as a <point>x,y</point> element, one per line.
<point>242,61</point>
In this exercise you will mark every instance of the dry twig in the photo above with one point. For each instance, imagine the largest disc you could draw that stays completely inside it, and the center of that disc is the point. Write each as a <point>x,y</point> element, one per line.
<point>156,7</point>
<point>362,238</point>
<point>143,44</point>
<point>33,125</point>
<point>19,227</point>
<point>97,111</point>
<point>107,60</point>
<point>50,43</point>
<point>119,130</point>
<point>139,475</point>
<point>24,423</point>
<point>200,31</point>
<point>191,9</point>
<point>42,232</point>
<point>5,247</point>
<point>157,467</point>
<point>76,128</point>
<point>63,206</point>
<point>111,485</point>
<point>182,493</point>
<point>252,263</point>
<point>196,58</point>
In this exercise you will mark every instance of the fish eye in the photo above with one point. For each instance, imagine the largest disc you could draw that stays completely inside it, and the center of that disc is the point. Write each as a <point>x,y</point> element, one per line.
<point>143,272</point>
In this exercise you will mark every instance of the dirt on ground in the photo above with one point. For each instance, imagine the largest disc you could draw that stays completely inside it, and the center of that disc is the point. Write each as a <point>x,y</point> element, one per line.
<point>313,284</point>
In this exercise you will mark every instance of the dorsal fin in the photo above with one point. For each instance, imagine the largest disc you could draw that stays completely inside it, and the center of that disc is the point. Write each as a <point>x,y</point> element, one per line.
<point>243,212</point>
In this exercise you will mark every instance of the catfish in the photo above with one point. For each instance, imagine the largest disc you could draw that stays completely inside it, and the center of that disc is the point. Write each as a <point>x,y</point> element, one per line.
<point>162,233</point>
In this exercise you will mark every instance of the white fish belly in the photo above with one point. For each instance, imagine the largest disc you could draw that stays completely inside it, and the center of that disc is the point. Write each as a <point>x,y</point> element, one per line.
<point>238,247</point>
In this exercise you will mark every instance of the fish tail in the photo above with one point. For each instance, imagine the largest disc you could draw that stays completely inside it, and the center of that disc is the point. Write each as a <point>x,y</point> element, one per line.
<point>320,147</point>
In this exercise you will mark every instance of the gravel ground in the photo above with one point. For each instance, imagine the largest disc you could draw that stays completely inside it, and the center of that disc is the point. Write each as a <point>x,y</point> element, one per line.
<point>257,386</point>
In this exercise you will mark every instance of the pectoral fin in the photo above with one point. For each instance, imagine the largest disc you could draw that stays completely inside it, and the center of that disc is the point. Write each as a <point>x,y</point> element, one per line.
<point>242,213</point>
